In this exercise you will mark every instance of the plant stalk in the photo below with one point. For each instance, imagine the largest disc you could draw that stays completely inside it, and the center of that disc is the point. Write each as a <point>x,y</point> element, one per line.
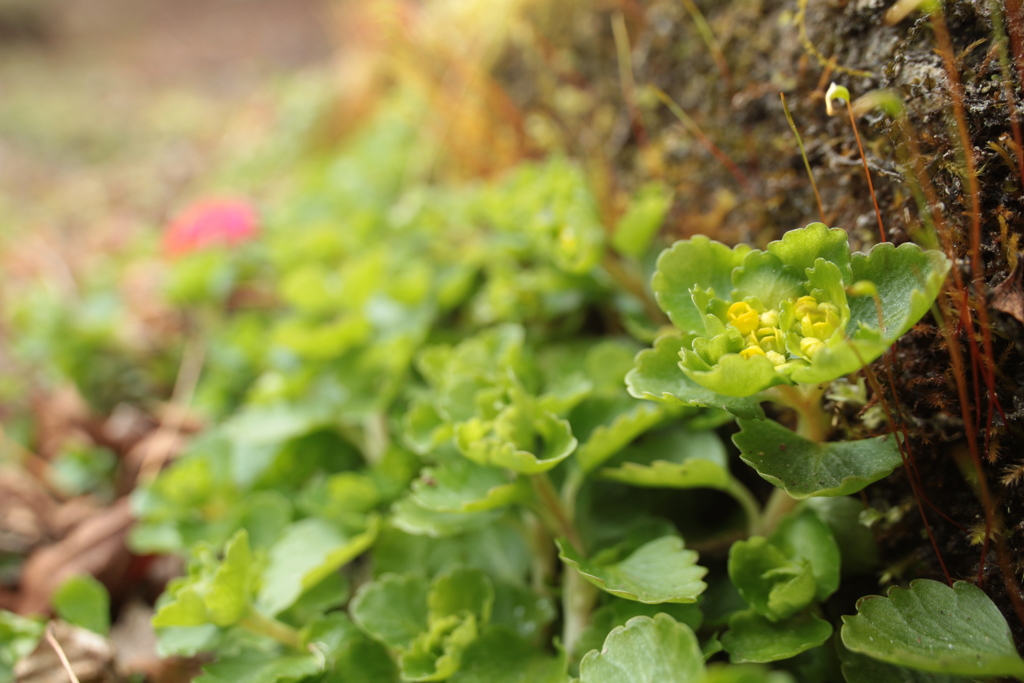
<point>554,512</point>
<point>578,598</point>
<point>578,595</point>
<point>747,501</point>
<point>261,624</point>
<point>813,424</point>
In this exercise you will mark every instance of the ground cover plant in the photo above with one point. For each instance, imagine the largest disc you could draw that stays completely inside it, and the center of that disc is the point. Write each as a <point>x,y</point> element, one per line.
<point>436,416</point>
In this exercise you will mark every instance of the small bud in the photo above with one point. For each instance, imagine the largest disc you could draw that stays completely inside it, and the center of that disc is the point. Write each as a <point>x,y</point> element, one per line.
<point>835,92</point>
<point>771,339</point>
<point>752,351</point>
<point>805,305</point>
<point>743,317</point>
<point>810,346</point>
<point>770,319</point>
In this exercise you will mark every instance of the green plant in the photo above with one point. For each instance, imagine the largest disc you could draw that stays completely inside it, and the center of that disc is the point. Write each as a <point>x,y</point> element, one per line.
<point>427,460</point>
<point>779,325</point>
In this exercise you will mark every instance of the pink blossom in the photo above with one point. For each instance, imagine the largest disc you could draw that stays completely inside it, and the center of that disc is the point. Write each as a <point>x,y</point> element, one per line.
<point>211,222</point>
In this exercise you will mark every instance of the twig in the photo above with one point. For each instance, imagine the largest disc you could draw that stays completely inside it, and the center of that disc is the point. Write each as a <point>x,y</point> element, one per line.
<point>60,653</point>
<point>181,398</point>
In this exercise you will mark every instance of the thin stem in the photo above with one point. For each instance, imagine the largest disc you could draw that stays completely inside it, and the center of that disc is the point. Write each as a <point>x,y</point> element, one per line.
<point>553,512</point>
<point>778,506</point>
<point>747,501</point>
<point>263,625</point>
<point>578,598</point>
<point>803,154</point>
<point>578,595</point>
<point>867,172</point>
<point>543,572</point>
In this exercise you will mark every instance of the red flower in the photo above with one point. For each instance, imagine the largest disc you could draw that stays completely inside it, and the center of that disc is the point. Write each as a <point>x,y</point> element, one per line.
<point>211,222</point>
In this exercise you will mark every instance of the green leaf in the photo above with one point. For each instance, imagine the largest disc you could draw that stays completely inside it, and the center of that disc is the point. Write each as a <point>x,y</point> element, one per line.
<point>607,440</point>
<point>799,249</point>
<point>805,468</point>
<point>333,591</point>
<point>411,517</point>
<point>857,545</point>
<point>763,275</point>
<point>260,667</point>
<point>696,262</point>
<point>392,609</point>
<point>616,612</point>
<point>745,673</point>
<point>307,553</point>
<point>643,218</point>
<point>355,658</point>
<point>214,592</point>
<point>752,638</point>
<point>423,428</point>
<point>658,377</point>
<point>522,610</point>
<point>732,374</point>
<point>695,473</point>
<point>804,537</point>
<point>437,654</point>
<point>231,589</point>
<point>659,571</point>
<point>520,439</point>
<point>461,590</point>
<point>83,601</point>
<point>858,668</point>
<point>187,641</point>
<point>933,627</point>
<point>675,458</point>
<point>907,280</point>
<point>501,656</point>
<point>775,585</point>
<point>499,549</point>
<point>18,638</point>
<point>646,650</point>
<point>464,486</point>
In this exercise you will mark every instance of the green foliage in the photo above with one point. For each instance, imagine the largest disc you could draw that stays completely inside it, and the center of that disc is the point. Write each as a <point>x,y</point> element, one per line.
<point>935,628</point>
<point>83,601</point>
<point>659,571</point>
<point>435,399</point>
<point>753,638</point>
<point>645,649</point>
<point>18,638</point>
<point>214,592</point>
<point>805,468</point>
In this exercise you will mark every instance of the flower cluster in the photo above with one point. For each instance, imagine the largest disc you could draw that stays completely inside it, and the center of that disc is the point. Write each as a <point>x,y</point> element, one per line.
<point>803,310</point>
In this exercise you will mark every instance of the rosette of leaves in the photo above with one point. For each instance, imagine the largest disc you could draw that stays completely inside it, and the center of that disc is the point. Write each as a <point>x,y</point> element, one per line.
<point>782,578</point>
<point>804,310</point>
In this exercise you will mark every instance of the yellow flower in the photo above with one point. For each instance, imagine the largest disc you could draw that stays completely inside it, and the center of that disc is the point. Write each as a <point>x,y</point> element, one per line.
<point>743,317</point>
